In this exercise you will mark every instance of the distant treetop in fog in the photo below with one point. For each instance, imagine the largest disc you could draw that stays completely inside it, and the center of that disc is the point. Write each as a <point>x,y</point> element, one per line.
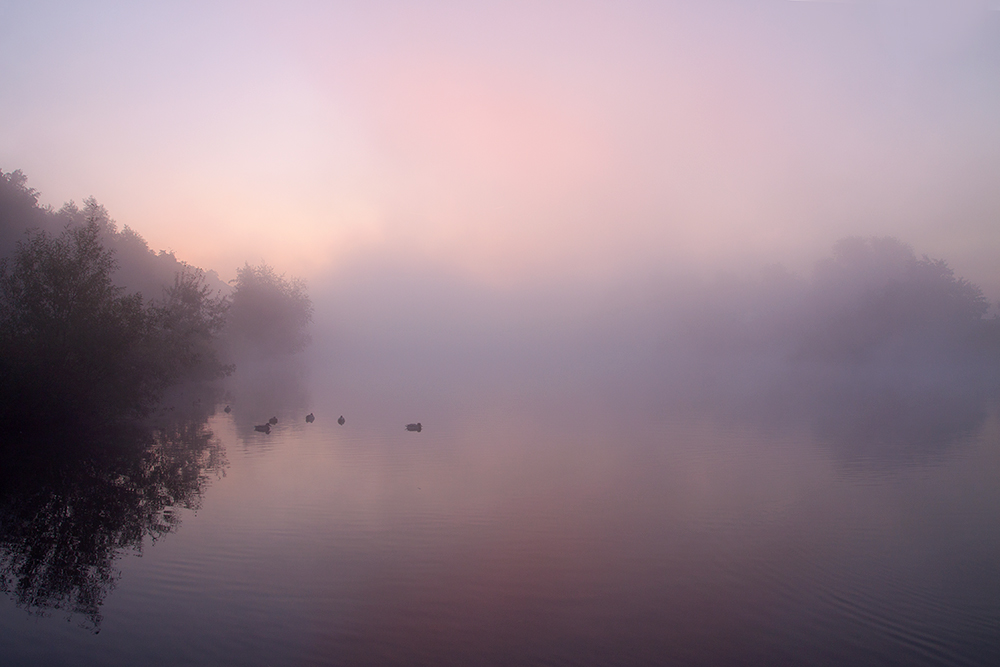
<point>269,313</point>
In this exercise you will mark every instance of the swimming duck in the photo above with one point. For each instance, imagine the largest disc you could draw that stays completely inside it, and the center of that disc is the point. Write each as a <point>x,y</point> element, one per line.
<point>272,421</point>
<point>341,420</point>
<point>263,428</point>
<point>415,427</point>
<point>310,418</point>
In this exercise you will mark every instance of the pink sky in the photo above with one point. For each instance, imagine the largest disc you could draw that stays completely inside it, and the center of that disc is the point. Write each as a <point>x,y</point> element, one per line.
<point>515,141</point>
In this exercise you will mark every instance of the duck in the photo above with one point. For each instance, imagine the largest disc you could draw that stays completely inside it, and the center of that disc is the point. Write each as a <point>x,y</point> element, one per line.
<point>263,428</point>
<point>415,427</point>
<point>228,410</point>
<point>272,421</point>
<point>310,418</point>
<point>341,420</point>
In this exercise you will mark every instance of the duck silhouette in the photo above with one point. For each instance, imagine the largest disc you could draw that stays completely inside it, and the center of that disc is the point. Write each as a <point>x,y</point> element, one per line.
<point>415,427</point>
<point>263,428</point>
<point>228,410</point>
<point>310,418</point>
<point>272,421</point>
<point>341,420</point>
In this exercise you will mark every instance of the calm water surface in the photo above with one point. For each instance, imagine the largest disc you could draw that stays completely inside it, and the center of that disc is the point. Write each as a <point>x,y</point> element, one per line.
<point>568,533</point>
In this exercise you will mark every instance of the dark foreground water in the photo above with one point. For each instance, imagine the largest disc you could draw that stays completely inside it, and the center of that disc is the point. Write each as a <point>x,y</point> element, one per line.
<point>567,532</point>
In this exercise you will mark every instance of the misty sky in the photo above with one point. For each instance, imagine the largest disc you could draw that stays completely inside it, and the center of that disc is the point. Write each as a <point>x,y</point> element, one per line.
<point>514,142</point>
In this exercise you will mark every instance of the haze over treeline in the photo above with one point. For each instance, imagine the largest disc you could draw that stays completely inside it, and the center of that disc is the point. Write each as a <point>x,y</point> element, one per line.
<point>94,326</point>
<point>871,298</point>
<point>650,275</point>
<point>874,310</point>
<point>514,142</point>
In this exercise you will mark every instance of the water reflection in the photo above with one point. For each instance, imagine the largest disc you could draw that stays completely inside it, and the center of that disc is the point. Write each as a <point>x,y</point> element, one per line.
<point>263,391</point>
<point>568,527</point>
<point>71,506</point>
<point>886,416</point>
<point>896,426</point>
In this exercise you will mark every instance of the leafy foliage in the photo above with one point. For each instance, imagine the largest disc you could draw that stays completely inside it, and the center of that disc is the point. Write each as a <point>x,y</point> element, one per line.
<point>80,336</point>
<point>875,294</point>
<point>139,269</point>
<point>269,314</point>
<point>872,304</point>
<point>19,210</point>
<point>188,322</point>
<point>69,339</point>
<point>74,344</point>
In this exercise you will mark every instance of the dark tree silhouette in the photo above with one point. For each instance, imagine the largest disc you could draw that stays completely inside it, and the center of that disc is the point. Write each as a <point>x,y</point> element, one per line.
<point>19,211</point>
<point>70,341</point>
<point>80,341</point>
<point>138,269</point>
<point>269,313</point>
<point>188,321</point>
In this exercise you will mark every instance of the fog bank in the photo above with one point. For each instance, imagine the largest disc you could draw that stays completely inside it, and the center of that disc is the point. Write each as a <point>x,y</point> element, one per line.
<point>517,143</point>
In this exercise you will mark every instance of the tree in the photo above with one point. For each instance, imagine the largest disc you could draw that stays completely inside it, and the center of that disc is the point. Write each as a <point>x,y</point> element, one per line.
<point>78,341</point>
<point>269,314</point>
<point>188,321</point>
<point>69,339</point>
<point>875,292</point>
<point>19,210</point>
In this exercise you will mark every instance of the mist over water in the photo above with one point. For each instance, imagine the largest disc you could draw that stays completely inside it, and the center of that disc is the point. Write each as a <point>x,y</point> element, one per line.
<point>744,467</point>
<point>633,359</point>
<point>882,326</point>
<point>635,475</point>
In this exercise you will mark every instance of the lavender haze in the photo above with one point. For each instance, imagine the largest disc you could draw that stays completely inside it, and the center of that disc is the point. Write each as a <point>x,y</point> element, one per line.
<point>547,332</point>
<point>515,144</point>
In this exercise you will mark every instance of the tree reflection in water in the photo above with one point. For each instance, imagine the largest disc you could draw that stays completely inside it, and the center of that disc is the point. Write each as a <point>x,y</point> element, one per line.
<point>66,518</point>
<point>892,426</point>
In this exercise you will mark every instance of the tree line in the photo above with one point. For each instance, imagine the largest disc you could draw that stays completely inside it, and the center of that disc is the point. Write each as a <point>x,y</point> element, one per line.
<point>94,325</point>
<point>872,300</point>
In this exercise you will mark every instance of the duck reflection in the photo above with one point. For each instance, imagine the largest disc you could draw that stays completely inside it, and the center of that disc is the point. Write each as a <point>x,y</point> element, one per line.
<point>71,506</point>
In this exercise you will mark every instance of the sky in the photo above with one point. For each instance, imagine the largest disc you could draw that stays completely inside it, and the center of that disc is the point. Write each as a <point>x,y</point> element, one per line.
<point>515,143</point>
